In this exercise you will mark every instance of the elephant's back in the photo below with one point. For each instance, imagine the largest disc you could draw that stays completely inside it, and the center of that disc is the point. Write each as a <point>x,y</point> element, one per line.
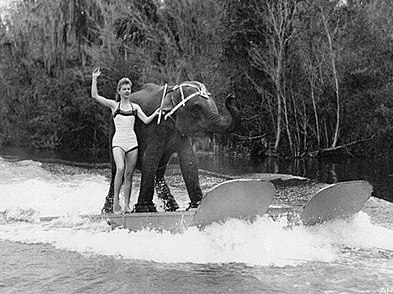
<point>148,97</point>
<point>149,90</point>
<point>152,87</point>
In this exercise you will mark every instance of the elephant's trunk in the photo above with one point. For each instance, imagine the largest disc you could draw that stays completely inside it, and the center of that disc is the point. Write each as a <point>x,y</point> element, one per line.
<point>225,124</point>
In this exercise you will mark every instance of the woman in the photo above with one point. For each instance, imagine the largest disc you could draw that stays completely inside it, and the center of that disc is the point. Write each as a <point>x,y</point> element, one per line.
<point>124,143</point>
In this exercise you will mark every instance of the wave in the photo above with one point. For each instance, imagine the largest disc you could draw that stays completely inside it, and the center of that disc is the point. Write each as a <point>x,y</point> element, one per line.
<point>264,242</point>
<point>35,192</point>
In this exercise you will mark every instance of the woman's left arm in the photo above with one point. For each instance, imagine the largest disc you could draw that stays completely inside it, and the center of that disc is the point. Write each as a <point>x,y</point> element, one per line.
<point>143,117</point>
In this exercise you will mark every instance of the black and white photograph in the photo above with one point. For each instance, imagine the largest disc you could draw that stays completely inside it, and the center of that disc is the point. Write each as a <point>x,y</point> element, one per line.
<point>196,146</point>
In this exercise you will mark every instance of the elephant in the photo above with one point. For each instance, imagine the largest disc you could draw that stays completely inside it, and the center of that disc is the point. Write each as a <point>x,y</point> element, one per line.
<point>188,110</point>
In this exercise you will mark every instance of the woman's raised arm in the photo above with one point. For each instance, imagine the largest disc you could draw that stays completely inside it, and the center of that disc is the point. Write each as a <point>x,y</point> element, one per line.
<point>94,92</point>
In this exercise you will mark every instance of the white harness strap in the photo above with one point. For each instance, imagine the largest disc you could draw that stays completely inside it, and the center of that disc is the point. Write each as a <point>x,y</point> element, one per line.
<point>202,91</point>
<point>162,102</point>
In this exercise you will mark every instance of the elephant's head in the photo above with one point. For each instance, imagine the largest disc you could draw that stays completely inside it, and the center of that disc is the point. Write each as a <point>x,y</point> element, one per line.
<point>190,105</point>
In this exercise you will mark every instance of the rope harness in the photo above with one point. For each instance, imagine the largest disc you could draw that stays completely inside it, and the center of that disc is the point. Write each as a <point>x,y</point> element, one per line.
<point>201,91</point>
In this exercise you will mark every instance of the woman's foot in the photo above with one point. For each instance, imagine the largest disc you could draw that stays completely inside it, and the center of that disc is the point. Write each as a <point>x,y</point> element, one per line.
<point>116,208</point>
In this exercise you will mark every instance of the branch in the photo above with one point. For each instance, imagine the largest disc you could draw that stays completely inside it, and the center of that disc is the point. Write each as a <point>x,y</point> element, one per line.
<point>331,150</point>
<point>248,137</point>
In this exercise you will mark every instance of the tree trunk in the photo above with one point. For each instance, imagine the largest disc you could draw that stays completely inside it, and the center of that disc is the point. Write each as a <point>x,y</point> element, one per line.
<point>314,105</point>
<point>336,86</point>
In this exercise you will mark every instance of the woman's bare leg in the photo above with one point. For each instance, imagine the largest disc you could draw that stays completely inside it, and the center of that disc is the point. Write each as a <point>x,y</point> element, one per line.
<point>131,158</point>
<point>118,156</point>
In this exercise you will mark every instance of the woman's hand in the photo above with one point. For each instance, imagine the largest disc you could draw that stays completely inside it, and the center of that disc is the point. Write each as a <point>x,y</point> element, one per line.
<point>143,117</point>
<point>96,73</point>
<point>157,112</point>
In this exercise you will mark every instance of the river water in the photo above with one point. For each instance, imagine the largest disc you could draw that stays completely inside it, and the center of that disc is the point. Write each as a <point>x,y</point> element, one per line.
<point>379,172</point>
<point>74,255</point>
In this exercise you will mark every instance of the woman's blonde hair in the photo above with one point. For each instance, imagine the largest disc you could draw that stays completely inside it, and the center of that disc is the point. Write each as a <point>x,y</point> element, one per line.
<point>122,81</point>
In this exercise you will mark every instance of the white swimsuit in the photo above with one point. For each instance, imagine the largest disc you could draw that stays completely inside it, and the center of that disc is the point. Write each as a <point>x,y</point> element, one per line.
<point>125,137</point>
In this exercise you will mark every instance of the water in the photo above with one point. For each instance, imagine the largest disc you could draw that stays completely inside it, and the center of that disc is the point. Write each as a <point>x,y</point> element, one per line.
<point>74,255</point>
<point>379,172</point>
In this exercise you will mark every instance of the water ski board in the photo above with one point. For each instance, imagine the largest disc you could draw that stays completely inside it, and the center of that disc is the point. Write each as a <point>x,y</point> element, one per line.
<point>339,200</point>
<point>240,198</point>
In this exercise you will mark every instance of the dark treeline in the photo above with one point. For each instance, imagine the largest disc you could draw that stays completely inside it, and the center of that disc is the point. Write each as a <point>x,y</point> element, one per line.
<point>308,75</point>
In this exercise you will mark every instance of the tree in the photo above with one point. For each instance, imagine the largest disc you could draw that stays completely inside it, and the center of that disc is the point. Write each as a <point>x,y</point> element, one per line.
<point>272,57</point>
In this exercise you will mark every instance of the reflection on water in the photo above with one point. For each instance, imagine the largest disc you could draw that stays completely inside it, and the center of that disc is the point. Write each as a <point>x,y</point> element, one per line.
<point>379,172</point>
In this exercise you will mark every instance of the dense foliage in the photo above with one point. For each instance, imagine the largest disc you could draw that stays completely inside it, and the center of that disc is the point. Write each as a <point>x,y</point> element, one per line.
<point>307,74</point>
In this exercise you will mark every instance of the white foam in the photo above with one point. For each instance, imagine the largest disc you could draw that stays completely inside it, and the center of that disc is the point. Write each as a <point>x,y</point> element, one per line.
<point>264,242</point>
<point>357,232</point>
<point>53,198</point>
<point>261,243</point>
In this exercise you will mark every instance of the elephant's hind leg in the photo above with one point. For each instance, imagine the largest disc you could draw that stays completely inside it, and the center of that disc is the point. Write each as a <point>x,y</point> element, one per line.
<point>108,205</point>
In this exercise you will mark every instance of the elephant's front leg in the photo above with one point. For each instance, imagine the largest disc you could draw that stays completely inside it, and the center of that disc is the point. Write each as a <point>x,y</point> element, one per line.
<point>189,169</point>
<point>151,158</point>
